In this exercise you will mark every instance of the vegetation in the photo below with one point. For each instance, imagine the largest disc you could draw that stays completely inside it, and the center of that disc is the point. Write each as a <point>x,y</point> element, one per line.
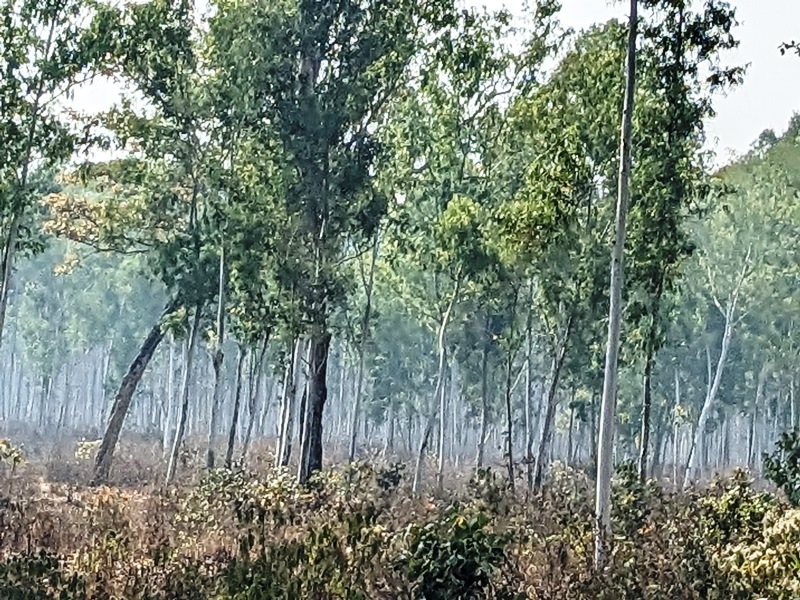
<point>391,298</point>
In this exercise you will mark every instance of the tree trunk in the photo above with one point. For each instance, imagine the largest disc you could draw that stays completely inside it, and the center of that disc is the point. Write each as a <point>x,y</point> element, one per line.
<point>442,437</point>
<point>6,268</point>
<point>252,396</point>
<point>605,460</point>
<point>290,384</point>
<point>236,402</point>
<point>752,454</point>
<point>388,448</point>
<point>484,404</point>
<point>362,347</point>
<point>529,429</point>
<point>509,421</point>
<point>705,413</point>
<point>185,383</point>
<point>219,356</point>
<point>547,424</point>
<point>647,402</point>
<point>311,444</point>
<point>442,349</point>
<point>122,401</point>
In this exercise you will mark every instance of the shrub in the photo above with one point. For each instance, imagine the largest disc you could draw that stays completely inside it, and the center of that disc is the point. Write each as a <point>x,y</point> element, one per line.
<point>770,565</point>
<point>782,467</point>
<point>38,577</point>
<point>454,557</point>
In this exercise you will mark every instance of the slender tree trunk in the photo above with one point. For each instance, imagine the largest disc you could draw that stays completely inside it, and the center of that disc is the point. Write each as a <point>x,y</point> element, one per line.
<point>484,404</point>
<point>442,349</point>
<point>6,268</point>
<point>362,347</point>
<point>752,454</point>
<point>569,430</point>
<point>388,448</point>
<point>442,437</point>
<point>509,421</point>
<point>529,429</point>
<point>185,383</point>
<point>557,363</point>
<point>647,403</point>
<point>605,464</point>
<point>169,429</point>
<point>217,360</point>
<point>252,396</point>
<point>122,401</point>
<point>236,402</point>
<point>705,413</point>
<point>290,384</point>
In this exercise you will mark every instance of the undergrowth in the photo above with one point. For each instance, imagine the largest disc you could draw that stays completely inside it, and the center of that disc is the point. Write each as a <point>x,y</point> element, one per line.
<point>357,533</point>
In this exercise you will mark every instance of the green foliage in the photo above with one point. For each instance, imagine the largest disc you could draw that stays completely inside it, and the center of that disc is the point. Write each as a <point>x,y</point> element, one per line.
<point>782,467</point>
<point>38,577</point>
<point>453,557</point>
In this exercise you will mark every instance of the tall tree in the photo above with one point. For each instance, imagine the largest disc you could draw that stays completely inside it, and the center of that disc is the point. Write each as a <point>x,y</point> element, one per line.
<point>608,409</point>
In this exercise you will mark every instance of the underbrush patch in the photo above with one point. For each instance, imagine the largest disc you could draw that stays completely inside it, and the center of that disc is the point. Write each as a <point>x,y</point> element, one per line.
<point>357,533</point>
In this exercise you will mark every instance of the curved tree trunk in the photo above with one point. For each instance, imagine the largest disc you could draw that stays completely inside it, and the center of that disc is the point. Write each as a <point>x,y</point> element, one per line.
<point>122,401</point>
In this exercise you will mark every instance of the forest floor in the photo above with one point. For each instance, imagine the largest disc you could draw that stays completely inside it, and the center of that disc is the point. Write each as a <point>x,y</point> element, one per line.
<point>358,533</point>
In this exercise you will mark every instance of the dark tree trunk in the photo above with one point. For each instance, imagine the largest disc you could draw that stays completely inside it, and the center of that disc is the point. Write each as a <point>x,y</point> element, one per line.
<point>236,403</point>
<point>311,446</point>
<point>122,401</point>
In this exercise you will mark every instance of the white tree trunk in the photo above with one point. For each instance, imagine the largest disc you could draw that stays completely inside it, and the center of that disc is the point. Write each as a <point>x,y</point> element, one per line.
<point>608,407</point>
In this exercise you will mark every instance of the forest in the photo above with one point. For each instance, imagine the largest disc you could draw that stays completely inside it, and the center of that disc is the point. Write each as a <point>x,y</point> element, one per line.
<point>372,299</point>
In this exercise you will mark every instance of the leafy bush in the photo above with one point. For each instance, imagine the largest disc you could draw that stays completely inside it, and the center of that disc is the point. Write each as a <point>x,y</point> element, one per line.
<point>782,467</point>
<point>768,566</point>
<point>38,577</point>
<point>454,557</point>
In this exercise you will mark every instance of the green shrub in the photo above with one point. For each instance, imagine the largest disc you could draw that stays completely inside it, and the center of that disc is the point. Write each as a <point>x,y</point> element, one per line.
<point>782,467</point>
<point>38,577</point>
<point>454,557</point>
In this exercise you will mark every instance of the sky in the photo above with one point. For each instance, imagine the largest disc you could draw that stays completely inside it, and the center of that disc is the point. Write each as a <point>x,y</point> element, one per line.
<point>770,93</point>
<point>767,99</point>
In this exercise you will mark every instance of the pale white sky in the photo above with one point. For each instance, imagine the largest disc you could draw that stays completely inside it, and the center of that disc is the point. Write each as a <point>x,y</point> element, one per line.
<point>771,90</point>
<point>767,99</point>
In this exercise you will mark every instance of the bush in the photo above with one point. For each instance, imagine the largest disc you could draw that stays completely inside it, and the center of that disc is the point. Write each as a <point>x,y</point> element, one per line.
<point>768,566</point>
<point>782,467</point>
<point>454,557</point>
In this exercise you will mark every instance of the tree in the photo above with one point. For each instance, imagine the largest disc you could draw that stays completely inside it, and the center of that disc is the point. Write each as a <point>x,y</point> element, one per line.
<point>45,51</point>
<point>608,410</point>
